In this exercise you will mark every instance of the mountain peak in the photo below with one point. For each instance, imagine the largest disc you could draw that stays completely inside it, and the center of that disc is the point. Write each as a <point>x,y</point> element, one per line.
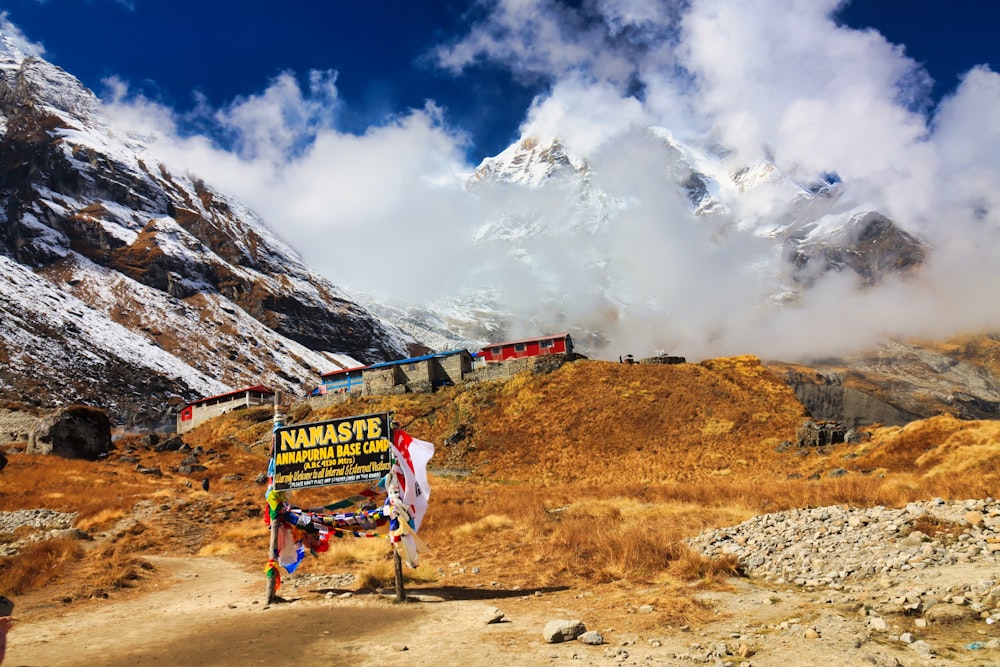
<point>528,162</point>
<point>10,55</point>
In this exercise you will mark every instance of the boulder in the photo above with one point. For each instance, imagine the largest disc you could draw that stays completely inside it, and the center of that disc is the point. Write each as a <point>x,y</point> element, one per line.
<point>77,431</point>
<point>563,631</point>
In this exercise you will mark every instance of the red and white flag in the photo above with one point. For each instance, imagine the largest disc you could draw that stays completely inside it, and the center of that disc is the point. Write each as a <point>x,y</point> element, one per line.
<point>412,456</point>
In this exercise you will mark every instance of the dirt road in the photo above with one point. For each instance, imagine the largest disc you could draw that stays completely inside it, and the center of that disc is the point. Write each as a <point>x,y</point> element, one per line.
<point>210,612</point>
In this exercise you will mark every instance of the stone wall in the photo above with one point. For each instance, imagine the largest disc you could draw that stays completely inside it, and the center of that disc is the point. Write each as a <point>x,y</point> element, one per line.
<point>333,398</point>
<point>505,370</point>
<point>456,369</point>
<point>451,370</point>
<point>417,373</point>
<point>663,359</point>
<point>381,381</point>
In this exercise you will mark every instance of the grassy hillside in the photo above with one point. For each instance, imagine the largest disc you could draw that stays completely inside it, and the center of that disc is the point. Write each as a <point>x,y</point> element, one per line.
<point>595,473</point>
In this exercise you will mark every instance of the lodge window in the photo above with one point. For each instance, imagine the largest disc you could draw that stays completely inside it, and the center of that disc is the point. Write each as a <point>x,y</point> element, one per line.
<point>520,347</point>
<point>495,350</point>
<point>547,344</point>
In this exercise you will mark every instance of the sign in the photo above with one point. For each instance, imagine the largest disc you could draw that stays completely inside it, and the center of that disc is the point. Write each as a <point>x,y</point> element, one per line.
<point>341,451</point>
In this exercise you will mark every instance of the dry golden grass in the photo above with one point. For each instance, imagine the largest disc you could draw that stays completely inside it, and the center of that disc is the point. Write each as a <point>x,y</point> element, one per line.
<point>101,520</point>
<point>935,527</point>
<point>595,473</point>
<point>381,574</point>
<point>111,567</point>
<point>235,537</point>
<point>38,564</point>
<point>487,525</point>
<point>349,551</point>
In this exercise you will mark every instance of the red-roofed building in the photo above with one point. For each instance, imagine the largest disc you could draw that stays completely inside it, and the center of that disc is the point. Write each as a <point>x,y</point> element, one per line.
<point>528,347</point>
<point>203,409</point>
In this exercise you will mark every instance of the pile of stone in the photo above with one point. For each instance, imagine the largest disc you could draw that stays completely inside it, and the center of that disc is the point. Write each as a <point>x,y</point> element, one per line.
<point>830,545</point>
<point>46,523</point>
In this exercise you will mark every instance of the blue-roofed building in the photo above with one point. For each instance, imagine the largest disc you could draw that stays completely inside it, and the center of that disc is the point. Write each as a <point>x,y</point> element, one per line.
<point>342,381</point>
<point>417,374</point>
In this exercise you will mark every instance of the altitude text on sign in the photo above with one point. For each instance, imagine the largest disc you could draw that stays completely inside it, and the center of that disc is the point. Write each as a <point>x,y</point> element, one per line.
<point>341,451</point>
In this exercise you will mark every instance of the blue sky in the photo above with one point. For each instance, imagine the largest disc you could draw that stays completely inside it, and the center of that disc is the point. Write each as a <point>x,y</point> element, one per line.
<point>381,52</point>
<point>352,129</point>
<point>184,52</point>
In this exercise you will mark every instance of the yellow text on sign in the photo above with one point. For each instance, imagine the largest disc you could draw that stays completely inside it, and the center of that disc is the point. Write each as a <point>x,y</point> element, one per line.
<point>321,435</point>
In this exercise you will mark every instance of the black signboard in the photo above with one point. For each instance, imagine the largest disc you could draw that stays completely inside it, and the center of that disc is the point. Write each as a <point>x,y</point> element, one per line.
<point>341,451</point>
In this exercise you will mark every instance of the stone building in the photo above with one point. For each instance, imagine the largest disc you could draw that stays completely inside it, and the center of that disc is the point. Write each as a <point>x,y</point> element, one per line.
<point>417,374</point>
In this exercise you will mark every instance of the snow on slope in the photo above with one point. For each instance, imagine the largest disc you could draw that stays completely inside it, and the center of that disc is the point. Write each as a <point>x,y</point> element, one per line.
<point>32,308</point>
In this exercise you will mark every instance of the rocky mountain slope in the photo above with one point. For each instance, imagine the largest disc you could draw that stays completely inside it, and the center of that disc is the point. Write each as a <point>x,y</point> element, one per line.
<point>901,381</point>
<point>135,288</point>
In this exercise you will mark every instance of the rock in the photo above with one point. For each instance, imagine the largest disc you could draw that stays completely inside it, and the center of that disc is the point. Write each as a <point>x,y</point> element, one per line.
<point>493,616</point>
<point>75,432</point>
<point>974,518</point>
<point>173,444</point>
<point>71,533</point>
<point>811,633</point>
<point>947,613</point>
<point>563,631</point>
<point>592,637</point>
<point>923,648</point>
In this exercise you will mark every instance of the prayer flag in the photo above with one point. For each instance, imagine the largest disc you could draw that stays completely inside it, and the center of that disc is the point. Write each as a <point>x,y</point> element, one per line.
<point>412,456</point>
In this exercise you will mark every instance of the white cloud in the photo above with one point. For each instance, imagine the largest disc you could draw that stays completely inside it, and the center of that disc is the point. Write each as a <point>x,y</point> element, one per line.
<point>18,38</point>
<point>363,210</point>
<point>775,77</point>
<point>583,115</point>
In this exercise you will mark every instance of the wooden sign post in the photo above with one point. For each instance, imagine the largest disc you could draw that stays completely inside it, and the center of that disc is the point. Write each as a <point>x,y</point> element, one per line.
<point>272,581</point>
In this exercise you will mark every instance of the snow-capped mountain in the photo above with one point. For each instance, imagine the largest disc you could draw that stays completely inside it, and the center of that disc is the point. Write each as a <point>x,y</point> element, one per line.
<point>821,228</point>
<point>130,287</point>
<point>572,228</point>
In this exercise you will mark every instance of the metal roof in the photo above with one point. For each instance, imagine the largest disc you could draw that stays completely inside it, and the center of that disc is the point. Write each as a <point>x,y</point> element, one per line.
<point>412,360</point>
<point>338,371</point>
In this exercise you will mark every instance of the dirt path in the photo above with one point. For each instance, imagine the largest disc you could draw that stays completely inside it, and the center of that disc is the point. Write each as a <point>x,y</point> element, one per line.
<point>206,611</point>
<point>209,612</point>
